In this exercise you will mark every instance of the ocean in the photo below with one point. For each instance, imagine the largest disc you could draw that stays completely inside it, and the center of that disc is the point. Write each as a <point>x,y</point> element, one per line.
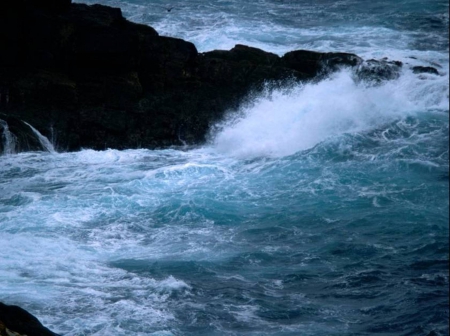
<point>315,209</point>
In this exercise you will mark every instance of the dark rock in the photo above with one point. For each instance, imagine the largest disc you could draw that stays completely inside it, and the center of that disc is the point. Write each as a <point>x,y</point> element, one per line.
<point>376,71</point>
<point>17,320</point>
<point>432,333</point>
<point>54,6</point>
<point>16,136</point>
<point>242,53</point>
<point>101,81</point>
<point>243,69</point>
<point>314,63</point>
<point>166,62</point>
<point>95,16</point>
<point>4,96</point>
<point>425,69</point>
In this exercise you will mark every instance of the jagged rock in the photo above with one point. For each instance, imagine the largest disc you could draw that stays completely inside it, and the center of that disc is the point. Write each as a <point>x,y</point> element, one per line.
<point>315,63</point>
<point>6,332</point>
<point>425,69</point>
<point>15,321</point>
<point>376,71</point>
<point>100,81</point>
<point>242,53</point>
<point>166,62</point>
<point>16,136</point>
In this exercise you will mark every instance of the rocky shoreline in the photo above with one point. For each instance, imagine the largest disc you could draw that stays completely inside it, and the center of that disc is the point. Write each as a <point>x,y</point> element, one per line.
<point>15,321</point>
<point>86,77</point>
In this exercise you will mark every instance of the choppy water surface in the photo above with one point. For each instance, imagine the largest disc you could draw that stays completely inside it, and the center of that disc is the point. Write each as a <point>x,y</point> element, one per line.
<point>284,25</point>
<point>315,210</point>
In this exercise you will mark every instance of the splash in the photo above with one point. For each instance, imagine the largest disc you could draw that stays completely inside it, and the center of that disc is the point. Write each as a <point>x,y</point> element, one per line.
<point>8,139</point>
<point>45,143</point>
<point>283,122</point>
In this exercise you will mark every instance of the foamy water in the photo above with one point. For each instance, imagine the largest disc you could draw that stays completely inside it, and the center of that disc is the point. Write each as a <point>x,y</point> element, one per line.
<point>318,209</point>
<point>287,121</point>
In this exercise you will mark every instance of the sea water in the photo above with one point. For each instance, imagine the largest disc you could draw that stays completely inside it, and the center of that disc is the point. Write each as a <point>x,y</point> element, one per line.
<point>315,209</point>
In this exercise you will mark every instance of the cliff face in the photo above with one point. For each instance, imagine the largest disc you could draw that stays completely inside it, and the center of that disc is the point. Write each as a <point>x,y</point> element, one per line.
<point>99,81</point>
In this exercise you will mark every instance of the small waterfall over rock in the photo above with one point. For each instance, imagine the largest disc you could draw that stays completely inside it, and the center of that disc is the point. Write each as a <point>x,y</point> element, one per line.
<point>46,144</point>
<point>8,140</point>
<point>19,136</point>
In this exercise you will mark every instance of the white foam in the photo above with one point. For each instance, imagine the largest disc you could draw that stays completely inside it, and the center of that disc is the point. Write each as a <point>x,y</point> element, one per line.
<point>172,284</point>
<point>86,295</point>
<point>8,139</point>
<point>45,143</point>
<point>86,210</point>
<point>284,122</point>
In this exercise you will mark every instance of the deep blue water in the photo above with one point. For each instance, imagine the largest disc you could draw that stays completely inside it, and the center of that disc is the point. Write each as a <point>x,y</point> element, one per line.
<point>319,209</point>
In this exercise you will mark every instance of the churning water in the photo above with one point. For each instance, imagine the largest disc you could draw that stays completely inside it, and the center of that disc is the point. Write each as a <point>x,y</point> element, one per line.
<point>318,209</point>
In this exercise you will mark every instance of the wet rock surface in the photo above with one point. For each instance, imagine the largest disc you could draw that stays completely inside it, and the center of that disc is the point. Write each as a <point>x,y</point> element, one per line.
<point>16,136</point>
<point>425,69</point>
<point>98,81</point>
<point>15,321</point>
<point>377,71</point>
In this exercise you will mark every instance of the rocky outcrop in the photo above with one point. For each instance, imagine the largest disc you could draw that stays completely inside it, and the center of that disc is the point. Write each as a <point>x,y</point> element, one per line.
<point>425,69</point>
<point>376,71</point>
<point>15,321</point>
<point>99,81</point>
<point>16,136</point>
<point>316,64</point>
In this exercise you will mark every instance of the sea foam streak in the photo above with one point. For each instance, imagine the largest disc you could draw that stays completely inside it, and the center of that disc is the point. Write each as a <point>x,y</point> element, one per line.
<point>284,122</point>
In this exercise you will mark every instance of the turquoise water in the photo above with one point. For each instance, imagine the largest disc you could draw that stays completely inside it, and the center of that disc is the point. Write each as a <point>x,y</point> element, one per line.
<point>318,209</point>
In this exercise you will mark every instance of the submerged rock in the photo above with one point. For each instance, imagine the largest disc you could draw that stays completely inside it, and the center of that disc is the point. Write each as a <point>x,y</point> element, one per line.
<point>100,81</point>
<point>15,321</point>
<point>425,69</point>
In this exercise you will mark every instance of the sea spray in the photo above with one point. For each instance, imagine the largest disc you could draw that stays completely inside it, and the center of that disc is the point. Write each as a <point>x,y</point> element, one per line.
<point>8,139</point>
<point>45,143</point>
<point>141,241</point>
<point>346,237</point>
<point>283,122</point>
